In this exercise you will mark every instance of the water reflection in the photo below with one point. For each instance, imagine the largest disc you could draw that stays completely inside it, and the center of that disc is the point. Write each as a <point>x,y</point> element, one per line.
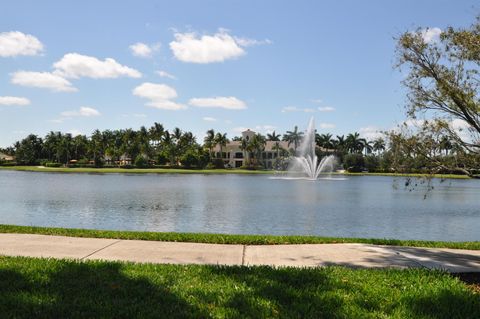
<point>357,207</point>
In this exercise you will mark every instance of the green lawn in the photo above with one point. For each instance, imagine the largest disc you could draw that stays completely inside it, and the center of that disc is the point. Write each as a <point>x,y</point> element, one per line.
<point>198,171</point>
<point>133,170</point>
<point>228,239</point>
<point>48,288</point>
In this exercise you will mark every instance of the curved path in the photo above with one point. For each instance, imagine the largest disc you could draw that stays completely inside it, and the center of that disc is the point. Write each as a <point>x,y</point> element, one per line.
<point>309,255</point>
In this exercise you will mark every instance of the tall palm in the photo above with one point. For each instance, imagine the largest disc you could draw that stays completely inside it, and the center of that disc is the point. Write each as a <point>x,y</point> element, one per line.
<point>273,137</point>
<point>294,137</point>
<point>221,140</point>
<point>156,132</point>
<point>379,145</point>
<point>340,143</point>
<point>257,144</point>
<point>209,141</point>
<point>445,144</point>
<point>244,148</point>
<point>324,140</point>
<point>177,134</point>
<point>367,146</point>
<point>353,143</point>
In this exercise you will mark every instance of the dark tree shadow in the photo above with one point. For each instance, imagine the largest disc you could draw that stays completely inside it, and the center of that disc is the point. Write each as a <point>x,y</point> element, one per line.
<point>318,293</point>
<point>69,289</point>
<point>93,290</point>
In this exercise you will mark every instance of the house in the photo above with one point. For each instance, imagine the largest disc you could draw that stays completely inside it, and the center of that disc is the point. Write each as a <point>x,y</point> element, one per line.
<point>234,156</point>
<point>6,158</point>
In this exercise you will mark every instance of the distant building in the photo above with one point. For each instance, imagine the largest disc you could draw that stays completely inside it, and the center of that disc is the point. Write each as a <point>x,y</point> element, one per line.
<point>233,155</point>
<point>7,158</point>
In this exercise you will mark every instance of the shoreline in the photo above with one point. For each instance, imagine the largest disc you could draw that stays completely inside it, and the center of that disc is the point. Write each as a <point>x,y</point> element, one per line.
<point>230,239</point>
<point>203,171</point>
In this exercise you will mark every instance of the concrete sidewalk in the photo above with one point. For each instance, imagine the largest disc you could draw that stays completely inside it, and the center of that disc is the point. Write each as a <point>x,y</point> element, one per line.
<point>311,255</point>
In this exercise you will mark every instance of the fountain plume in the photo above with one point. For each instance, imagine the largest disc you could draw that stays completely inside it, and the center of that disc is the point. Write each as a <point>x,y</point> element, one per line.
<point>306,160</point>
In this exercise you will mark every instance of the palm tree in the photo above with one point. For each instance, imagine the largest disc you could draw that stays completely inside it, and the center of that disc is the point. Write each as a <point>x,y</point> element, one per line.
<point>257,146</point>
<point>324,141</point>
<point>156,133</point>
<point>354,143</point>
<point>378,145</point>
<point>445,144</point>
<point>209,141</point>
<point>244,148</point>
<point>293,137</point>
<point>367,146</point>
<point>273,137</point>
<point>340,143</point>
<point>221,140</point>
<point>177,134</point>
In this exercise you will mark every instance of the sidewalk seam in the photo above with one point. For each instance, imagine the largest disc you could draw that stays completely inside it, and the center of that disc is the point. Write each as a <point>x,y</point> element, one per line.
<point>96,251</point>
<point>413,260</point>
<point>243,254</point>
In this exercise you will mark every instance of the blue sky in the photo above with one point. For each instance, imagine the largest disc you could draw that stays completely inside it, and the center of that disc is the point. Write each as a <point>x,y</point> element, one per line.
<point>228,65</point>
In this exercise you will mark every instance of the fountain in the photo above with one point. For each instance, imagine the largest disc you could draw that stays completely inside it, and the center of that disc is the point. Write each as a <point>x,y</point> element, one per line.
<point>306,161</point>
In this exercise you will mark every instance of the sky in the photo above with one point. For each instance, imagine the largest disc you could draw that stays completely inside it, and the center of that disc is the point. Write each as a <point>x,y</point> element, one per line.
<point>75,66</point>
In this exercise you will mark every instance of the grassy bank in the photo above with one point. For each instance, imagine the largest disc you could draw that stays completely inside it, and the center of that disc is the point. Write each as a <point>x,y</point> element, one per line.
<point>443,176</point>
<point>228,239</point>
<point>132,170</point>
<point>47,288</point>
<point>198,171</point>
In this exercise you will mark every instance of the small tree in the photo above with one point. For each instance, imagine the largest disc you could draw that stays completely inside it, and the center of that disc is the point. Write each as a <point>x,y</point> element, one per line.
<point>443,86</point>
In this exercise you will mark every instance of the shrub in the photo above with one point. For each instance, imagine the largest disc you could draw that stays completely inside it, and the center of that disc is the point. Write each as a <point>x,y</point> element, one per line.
<point>189,159</point>
<point>218,163</point>
<point>354,162</point>
<point>372,163</point>
<point>161,158</point>
<point>141,161</point>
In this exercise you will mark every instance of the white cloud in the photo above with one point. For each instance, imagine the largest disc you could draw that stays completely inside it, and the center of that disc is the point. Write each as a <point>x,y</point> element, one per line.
<point>326,109</point>
<point>160,96</point>
<point>229,103</point>
<point>264,129</point>
<point>75,132</point>
<point>463,129</point>
<point>144,50</point>
<point>16,43</point>
<point>431,34</point>
<point>190,47</point>
<point>165,74</point>
<point>74,65</point>
<point>318,101</point>
<point>326,125</point>
<point>154,91</point>
<point>246,42</point>
<point>296,109</point>
<point>45,80</point>
<point>370,133</point>
<point>414,123</point>
<point>84,111</point>
<point>239,129</point>
<point>14,100</point>
<point>209,119</point>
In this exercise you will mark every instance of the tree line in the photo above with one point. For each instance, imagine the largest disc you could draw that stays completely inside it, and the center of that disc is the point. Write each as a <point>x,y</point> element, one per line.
<point>157,146</point>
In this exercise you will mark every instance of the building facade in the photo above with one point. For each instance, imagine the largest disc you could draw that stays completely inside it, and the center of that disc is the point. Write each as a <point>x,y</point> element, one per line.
<point>234,156</point>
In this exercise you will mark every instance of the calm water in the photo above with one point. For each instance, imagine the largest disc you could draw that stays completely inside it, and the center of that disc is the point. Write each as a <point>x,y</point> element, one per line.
<point>378,207</point>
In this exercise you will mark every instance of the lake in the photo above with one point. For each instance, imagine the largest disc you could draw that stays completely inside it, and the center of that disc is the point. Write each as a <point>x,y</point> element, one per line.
<point>360,206</point>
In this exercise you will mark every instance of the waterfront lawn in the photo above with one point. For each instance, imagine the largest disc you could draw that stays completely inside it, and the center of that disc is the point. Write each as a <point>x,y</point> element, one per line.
<point>134,170</point>
<point>228,239</point>
<point>48,288</point>
<point>202,171</point>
